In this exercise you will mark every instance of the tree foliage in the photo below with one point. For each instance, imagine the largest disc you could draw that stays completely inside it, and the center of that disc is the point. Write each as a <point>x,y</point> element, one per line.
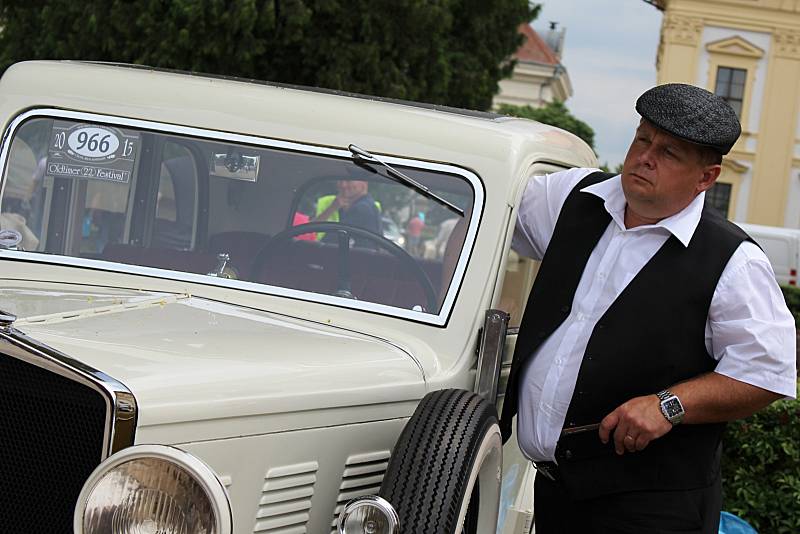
<point>555,114</point>
<point>449,52</point>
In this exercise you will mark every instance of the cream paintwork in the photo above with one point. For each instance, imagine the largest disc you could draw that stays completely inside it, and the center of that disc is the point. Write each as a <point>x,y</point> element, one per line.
<point>328,447</point>
<point>187,359</point>
<point>249,381</point>
<point>500,151</point>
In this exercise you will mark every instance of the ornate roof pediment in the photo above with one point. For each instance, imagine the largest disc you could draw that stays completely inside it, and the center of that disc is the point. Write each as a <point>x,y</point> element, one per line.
<point>735,166</point>
<point>735,46</point>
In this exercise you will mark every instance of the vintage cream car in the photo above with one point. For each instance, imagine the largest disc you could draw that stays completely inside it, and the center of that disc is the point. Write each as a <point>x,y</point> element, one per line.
<point>205,329</point>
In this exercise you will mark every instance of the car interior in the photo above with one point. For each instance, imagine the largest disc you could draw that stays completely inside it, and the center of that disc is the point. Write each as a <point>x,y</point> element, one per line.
<point>237,210</point>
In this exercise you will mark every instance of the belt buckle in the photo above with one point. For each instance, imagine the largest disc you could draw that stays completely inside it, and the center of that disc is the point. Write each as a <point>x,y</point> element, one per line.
<point>546,470</point>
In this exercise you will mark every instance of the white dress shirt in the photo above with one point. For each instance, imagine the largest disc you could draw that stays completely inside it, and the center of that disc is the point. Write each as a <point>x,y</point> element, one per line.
<point>749,330</point>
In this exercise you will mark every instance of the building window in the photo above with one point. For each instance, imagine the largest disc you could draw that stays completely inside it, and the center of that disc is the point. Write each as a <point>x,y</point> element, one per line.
<point>730,86</point>
<point>719,196</point>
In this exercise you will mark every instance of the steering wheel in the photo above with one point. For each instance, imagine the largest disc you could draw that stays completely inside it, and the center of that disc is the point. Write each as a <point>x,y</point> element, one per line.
<point>344,232</point>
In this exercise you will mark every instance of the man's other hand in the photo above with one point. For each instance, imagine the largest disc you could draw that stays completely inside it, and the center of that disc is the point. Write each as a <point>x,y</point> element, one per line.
<point>634,424</point>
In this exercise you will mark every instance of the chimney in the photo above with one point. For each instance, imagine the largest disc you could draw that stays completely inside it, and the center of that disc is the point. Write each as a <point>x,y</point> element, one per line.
<point>554,38</point>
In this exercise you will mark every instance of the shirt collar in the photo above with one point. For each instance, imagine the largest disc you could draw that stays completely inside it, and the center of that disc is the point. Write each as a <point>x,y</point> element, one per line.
<point>682,225</point>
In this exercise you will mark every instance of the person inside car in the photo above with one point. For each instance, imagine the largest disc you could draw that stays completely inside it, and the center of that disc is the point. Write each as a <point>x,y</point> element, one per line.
<point>352,205</point>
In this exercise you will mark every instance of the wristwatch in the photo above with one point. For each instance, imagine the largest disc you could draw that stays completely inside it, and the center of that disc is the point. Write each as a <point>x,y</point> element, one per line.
<point>671,406</point>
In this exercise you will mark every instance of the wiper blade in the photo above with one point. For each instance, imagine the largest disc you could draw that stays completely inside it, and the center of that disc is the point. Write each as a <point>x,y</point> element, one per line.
<point>363,155</point>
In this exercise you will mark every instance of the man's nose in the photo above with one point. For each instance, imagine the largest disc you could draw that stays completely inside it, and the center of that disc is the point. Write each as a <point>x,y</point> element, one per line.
<point>647,157</point>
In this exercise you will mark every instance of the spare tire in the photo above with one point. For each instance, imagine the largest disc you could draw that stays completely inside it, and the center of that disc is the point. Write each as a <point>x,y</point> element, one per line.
<point>447,462</point>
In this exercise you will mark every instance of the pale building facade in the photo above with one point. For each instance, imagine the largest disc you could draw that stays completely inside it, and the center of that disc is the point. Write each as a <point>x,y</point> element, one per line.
<point>539,77</point>
<point>747,51</point>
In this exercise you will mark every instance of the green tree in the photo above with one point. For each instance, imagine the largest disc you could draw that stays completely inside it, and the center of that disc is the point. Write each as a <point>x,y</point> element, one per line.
<point>449,52</point>
<point>555,114</point>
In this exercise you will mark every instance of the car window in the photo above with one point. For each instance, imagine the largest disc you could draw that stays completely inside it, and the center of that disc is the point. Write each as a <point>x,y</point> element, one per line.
<point>520,272</point>
<point>519,276</point>
<point>175,225</point>
<point>311,221</point>
<point>104,209</point>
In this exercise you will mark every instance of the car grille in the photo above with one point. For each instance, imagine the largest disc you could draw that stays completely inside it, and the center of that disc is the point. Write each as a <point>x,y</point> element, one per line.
<point>51,439</point>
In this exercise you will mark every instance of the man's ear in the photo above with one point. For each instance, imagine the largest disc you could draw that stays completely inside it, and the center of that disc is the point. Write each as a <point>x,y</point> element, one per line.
<point>709,177</point>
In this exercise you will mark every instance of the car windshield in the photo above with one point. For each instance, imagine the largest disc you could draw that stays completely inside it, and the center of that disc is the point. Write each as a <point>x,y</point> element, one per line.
<point>309,220</point>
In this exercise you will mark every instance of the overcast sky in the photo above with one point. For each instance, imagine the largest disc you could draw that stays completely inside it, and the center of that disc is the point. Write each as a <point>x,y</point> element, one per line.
<point>610,55</point>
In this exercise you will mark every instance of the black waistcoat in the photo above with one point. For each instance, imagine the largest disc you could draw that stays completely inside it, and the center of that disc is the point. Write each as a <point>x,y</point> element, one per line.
<point>652,337</point>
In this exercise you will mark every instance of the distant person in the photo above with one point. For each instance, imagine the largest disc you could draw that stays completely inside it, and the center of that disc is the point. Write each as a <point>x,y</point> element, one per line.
<point>353,206</point>
<point>298,219</point>
<point>414,230</point>
<point>443,236</point>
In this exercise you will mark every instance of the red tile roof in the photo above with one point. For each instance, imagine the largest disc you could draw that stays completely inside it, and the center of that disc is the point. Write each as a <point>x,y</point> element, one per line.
<point>534,48</point>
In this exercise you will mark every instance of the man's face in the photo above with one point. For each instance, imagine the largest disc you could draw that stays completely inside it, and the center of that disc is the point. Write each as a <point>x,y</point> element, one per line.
<point>662,174</point>
<point>352,189</point>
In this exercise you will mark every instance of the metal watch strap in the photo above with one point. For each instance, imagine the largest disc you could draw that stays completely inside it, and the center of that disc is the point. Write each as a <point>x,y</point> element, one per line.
<point>664,395</point>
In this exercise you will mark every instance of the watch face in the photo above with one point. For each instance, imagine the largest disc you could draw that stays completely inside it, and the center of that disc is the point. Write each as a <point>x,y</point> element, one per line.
<point>672,407</point>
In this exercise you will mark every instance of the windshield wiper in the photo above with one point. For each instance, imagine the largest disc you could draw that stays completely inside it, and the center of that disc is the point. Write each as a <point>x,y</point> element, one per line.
<point>361,154</point>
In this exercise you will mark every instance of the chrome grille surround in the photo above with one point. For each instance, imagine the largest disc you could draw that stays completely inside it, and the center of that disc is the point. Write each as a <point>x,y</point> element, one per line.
<point>42,389</point>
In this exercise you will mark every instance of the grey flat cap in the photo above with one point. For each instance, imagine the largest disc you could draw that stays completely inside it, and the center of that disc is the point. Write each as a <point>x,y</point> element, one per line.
<point>692,114</point>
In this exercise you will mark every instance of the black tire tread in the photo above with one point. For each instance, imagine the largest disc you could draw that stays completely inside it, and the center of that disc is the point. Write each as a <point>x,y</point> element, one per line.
<point>428,472</point>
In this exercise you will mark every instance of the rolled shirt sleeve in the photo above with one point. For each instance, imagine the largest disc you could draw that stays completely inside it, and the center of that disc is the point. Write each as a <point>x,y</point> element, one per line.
<point>750,330</point>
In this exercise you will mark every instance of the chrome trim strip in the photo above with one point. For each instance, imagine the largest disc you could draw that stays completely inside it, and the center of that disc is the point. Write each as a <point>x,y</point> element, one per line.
<point>58,317</point>
<point>121,407</point>
<point>214,135</point>
<point>6,319</point>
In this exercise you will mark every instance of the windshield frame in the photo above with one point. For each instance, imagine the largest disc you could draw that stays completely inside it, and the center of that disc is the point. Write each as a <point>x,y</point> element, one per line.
<point>344,153</point>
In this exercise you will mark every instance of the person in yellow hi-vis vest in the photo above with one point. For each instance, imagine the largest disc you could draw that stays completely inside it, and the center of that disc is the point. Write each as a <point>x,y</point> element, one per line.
<point>352,205</point>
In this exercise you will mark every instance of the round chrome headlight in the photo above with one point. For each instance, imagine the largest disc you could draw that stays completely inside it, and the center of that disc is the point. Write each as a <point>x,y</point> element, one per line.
<point>153,489</point>
<point>368,515</point>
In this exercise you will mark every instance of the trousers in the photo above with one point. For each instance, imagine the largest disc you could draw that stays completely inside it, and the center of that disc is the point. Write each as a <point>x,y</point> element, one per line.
<point>695,511</point>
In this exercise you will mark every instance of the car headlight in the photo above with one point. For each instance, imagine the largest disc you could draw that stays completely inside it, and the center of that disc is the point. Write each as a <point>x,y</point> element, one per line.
<point>368,515</point>
<point>153,489</point>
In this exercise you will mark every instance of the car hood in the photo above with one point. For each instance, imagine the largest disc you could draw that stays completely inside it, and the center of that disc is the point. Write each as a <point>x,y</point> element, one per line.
<point>186,358</point>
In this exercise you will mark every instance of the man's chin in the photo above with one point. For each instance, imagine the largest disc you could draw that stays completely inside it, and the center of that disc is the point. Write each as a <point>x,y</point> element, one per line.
<point>635,185</point>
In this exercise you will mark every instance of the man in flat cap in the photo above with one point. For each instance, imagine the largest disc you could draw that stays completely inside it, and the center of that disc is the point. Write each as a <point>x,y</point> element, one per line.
<point>652,322</point>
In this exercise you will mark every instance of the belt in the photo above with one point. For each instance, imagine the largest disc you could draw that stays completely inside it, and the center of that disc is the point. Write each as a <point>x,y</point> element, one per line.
<point>550,469</point>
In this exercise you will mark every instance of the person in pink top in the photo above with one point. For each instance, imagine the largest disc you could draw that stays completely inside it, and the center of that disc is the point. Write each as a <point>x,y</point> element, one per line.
<point>414,231</point>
